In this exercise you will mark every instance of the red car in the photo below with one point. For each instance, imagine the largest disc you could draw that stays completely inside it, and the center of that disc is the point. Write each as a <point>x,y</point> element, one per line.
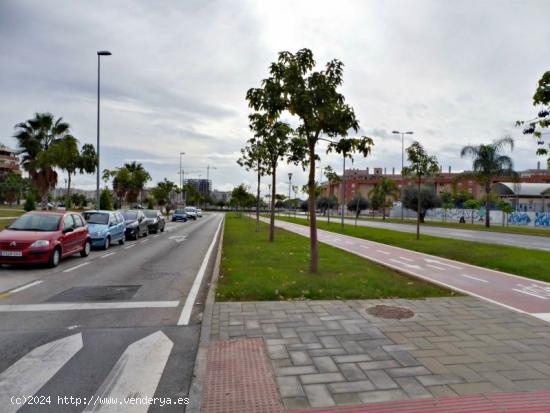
<point>42,237</point>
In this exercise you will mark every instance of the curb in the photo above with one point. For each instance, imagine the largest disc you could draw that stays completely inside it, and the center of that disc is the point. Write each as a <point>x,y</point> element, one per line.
<point>199,369</point>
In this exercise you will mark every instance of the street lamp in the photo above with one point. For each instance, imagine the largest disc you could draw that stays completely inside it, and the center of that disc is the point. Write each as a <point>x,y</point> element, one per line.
<point>402,163</point>
<point>289,186</point>
<point>181,178</point>
<point>99,54</point>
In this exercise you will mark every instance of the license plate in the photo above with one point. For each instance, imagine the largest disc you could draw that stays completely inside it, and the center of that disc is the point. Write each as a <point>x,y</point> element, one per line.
<point>11,254</point>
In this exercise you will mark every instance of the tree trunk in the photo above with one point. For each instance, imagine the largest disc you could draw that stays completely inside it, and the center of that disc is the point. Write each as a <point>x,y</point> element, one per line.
<point>68,200</point>
<point>328,214</point>
<point>418,210</point>
<point>313,254</point>
<point>272,215</point>
<point>258,203</point>
<point>384,211</point>
<point>487,213</point>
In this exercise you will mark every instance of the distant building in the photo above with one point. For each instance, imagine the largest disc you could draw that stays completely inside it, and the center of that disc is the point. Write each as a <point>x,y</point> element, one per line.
<point>218,196</point>
<point>9,161</point>
<point>203,186</point>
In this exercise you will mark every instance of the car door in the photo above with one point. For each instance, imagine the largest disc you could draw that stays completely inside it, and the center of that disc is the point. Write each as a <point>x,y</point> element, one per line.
<point>118,229</point>
<point>121,224</point>
<point>142,222</point>
<point>68,237</point>
<point>80,231</point>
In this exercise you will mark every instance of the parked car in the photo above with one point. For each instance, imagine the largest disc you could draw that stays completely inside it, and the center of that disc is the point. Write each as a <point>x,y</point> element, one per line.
<point>43,237</point>
<point>155,220</point>
<point>105,228</point>
<point>179,215</point>
<point>136,223</point>
<point>191,212</point>
<point>199,212</point>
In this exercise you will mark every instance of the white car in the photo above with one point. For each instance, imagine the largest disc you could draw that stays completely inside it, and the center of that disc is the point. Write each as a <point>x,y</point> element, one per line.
<point>191,213</point>
<point>199,212</point>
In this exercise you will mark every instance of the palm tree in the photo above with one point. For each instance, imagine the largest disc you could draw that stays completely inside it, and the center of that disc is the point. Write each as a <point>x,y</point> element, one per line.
<point>34,137</point>
<point>386,190</point>
<point>138,178</point>
<point>489,163</point>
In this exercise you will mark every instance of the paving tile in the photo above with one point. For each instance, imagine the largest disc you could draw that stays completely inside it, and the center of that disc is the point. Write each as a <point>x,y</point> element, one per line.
<point>376,365</point>
<point>380,379</point>
<point>382,396</point>
<point>441,391</point>
<point>289,386</point>
<point>436,379</point>
<point>408,371</point>
<point>353,358</point>
<point>321,378</point>
<point>473,388</point>
<point>300,358</point>
<point>413,388</point>
<point>343,399</point>
<point>293,371</point>
<point>295,403</point>
<point>319,396</point>
<point>351,371</point>
<point>325,364</point>
<point>351,387</point>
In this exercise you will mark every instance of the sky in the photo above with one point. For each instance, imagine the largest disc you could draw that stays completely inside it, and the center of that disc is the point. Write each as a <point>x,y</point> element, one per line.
<point>455,73</point>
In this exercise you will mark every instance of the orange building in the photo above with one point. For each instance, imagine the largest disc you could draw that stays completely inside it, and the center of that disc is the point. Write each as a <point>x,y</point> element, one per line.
<point>9,162</point>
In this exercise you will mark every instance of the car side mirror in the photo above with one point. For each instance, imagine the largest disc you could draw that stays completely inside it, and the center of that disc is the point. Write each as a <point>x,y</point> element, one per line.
<point>112,224</point>
<point>65,230</point>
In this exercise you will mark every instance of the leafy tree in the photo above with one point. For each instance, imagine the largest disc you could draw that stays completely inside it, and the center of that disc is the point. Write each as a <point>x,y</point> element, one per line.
<point>472,204</point>
<point>489,163</point>
<point>332,178</point>
<point>192,195</point>
<point>460,197</point>
<point>428,199</point>
<point>106,200</point>
<point>388,191</point>
<point>358,203</point>
<point>34,137</point>
<point>163,192</point>
<point>254,157</point>
<point>538,125</point>
<point>240,197</point>
<point>321,111</point>
<point>421,165</point>
<point>12,187</point>
<point>29,204</point>
<point>376,201</point>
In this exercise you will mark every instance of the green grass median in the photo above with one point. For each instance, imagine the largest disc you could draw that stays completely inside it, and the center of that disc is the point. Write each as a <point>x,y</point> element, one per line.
<point>520,261</point>
<point>254,269</point>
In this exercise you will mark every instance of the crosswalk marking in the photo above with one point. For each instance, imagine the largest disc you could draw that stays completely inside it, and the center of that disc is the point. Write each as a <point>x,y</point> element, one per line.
<point>136,374</point>
<point>27,375</point>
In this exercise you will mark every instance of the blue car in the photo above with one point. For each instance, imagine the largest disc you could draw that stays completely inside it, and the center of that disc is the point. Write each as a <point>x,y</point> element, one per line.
<point>105,228</point>
<point>179,215</point>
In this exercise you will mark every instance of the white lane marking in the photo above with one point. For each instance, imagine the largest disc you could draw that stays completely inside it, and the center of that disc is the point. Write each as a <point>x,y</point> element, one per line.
<point>145,240</point>
<point>442,263</point>
<point>474,278</point>
<point>136,374</point>
<point>383,252</point>
<point>31,372</point>
<point>528,293</point>
<point>116,305</point>
<point>155,236</point>
<point>178,238</point>
<point>406,259</point>
<point>107,255</point>
<point>76,267</point>
<point>192,296</point>
<point>365,247</point>
<point>406,264</point>
<point>24,287</point>
<point>542,316</point>
<point>349,242</point>
<point>130,246</point>
<point>436,267</point>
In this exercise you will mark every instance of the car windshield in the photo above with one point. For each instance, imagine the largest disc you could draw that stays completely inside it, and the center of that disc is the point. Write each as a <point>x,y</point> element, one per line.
<point>151,214</point>
<point>179,211</point>
<point>190,209</point>
<point>96,218</point>
<point>129,215</point>
<point>35,222</point>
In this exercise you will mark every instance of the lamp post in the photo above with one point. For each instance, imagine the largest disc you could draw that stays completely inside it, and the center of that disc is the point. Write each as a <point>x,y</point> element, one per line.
<point>289,187</point>
<point>99,54</point>
<point>343,189</point>
<point>181,178</point>
<point>402,164</point>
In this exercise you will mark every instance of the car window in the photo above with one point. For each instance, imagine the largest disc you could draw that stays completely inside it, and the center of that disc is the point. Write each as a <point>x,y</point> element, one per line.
<point>36,222</point>
<point>130,215</point>
<point>113,218</point>
<point>78,221</point>
<point>151,214</point>
<point>96,218</point>
<point>68,222</point>
<point>120,217</point>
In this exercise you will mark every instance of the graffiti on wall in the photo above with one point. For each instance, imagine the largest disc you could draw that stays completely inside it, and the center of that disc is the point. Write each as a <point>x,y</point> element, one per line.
<point>542,219</point>
<point>453,214</point>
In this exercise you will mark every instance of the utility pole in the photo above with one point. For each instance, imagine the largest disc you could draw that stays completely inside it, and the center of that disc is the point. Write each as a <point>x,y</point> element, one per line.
<point>343,189</point>
<point>99,54</point>
<point>181,179</point>
<point>289,186</point>
<point>402,165</point>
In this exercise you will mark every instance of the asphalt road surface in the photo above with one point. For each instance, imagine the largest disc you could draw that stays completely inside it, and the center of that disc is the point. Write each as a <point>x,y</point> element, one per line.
<point>515,240</point>
<point>511,291</point>
<point>117,323</point>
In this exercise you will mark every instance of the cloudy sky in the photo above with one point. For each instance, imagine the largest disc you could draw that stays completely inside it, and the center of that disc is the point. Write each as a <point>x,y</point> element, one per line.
<point>452,72</point>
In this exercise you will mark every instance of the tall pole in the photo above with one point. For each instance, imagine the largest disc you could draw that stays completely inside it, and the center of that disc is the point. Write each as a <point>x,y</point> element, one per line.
<point>181,179</point>
<point>343,190</point>
<point>99,54</point>
<point>402,166</point>
<point>289,187</point>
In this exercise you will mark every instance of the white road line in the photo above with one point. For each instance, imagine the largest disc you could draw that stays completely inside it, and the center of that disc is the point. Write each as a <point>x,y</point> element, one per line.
<point>107,255</point>
<point>406,259</point>
<point>349,242</point>
<point>383,252</point>
<point>474,278</point>
<point>534,295</point>
<point>130,246</point>
<point>365,247</point>
<point>136,374</point>
<point>436,267</point>
<point>116,305</point>
<point>406,264</point>
<point>145,240</point>
<point>31,372</point>
<point>192,296</point>
<point>542,316</point>
<point>442,263</point>
<point>24,287</point>
<point>155,236</point>
<point>76,267</point>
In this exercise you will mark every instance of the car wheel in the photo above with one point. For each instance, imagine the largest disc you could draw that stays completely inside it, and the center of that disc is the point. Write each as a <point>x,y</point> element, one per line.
<point>162,229</point>
<point>86,250</point>
<point>146,233</point>
<point>107,243</point>
<point>122,240</point>
<point>54,258</point>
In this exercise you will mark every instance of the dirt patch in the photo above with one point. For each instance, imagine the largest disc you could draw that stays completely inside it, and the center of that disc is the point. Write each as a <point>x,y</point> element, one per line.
<point>388,311</point>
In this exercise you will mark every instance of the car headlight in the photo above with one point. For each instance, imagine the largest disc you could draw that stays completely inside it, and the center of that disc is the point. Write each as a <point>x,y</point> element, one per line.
<point>40,243</point>
<point>99,233</point>
<point>133,224</point>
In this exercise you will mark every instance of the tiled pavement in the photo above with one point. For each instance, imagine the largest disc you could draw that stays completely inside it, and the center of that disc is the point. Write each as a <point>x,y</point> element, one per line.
<point>332,353</point>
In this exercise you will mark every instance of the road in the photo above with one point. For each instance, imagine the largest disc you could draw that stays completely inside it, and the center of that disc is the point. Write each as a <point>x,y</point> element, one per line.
<point>511,291</point>
<point>119,323</point>
<point>515,240</point>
